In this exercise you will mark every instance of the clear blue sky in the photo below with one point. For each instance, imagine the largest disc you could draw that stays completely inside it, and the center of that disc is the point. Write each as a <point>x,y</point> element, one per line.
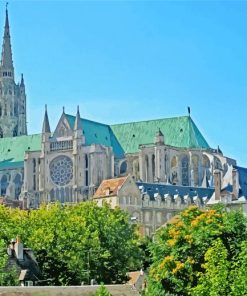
<point>135,60</point>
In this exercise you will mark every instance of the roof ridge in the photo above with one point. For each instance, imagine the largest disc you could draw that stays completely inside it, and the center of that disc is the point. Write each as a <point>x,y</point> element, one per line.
<point>195,129</point>
<point>149,120</point>
<point>82,118</point>
<point>21,136</point>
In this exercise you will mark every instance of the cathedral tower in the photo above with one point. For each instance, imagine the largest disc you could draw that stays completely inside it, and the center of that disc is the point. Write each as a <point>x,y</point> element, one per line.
<point>12,95</point>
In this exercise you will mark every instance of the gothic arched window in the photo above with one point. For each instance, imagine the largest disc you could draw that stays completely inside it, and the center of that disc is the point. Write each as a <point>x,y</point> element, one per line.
<point>15,131</point>
<point>123,167</point>
<point>18,184</point>
<point>146,168</point>
<point>217,163</point>
<point>15,109</point>
<point>4,185</point>
<point>174,162</point>
<point>195,167</point>
<point>153,166</point>
<point>205,161</point>
<point>52,195</point>
<point>136,169</point>
<point>185,170</point>
<point>86,161</point>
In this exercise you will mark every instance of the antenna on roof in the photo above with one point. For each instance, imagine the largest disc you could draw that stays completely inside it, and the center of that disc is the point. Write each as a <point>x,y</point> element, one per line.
<point>188,110</point>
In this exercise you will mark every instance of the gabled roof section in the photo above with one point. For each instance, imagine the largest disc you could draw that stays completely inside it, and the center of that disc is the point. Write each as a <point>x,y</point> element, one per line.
<point>180,132</point>
<point>110,187</point>
<point>12,150</point>
<point>98,133</point>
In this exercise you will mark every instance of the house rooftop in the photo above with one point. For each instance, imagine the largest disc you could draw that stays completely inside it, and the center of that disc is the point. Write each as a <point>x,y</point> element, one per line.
<point>110,187</point>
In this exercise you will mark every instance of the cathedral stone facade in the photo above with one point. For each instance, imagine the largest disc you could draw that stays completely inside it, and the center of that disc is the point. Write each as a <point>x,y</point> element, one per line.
<point>67,168</point>
<point>68,164</point>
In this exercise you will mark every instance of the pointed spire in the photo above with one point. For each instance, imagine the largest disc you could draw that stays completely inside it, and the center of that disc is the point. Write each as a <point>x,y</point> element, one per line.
<point>6,28</point>
<point>46,124</point>
<point>7,62</point>
<point>22,80</point>
<point>77,125</point>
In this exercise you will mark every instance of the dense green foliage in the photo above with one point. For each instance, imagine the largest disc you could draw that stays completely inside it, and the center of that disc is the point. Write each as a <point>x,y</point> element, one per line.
<point>200,253</point>
<point>74,244</point>
<point>8,275</point>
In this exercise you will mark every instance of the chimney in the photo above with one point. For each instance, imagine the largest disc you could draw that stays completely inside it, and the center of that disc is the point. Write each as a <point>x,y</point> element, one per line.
<point>19,249</point>
<point>235,184</point>
<point>217,184</point>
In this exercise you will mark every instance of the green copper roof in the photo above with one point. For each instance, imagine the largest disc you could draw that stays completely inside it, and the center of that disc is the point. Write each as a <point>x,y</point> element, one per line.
<point>178,131</point>
<point>12,150</point>
<point>98,133</point>
<point>124,138</point>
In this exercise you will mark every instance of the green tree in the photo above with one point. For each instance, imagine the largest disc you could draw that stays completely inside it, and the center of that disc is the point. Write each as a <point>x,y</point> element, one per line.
<point>8,274</point>
<point>214,281</point>
<point>180,251</point>
<point>74,244</point>
<point>82,242</point>
<point>238,279</point>
<point>102,291</point>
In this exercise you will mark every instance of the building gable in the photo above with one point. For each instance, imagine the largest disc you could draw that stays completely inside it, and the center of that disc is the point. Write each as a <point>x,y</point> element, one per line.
<point>129,188</point>
<point>63,128</point>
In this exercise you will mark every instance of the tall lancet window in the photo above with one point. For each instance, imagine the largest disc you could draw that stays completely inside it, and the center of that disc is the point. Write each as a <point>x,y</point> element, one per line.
<point>18,183</point>
<point>15,131</point>
<point>4,185</point>
<point>1,133</point>
<point>15,109</point>
<point>185,170</point>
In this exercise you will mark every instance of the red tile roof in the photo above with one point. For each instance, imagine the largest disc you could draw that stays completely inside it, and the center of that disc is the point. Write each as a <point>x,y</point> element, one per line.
<point>109,187</point>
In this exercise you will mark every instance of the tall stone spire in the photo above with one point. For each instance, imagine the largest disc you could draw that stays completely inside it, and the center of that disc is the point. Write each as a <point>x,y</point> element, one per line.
<point>7,68</point>
<point>46,125</point>
<point>13,119</point>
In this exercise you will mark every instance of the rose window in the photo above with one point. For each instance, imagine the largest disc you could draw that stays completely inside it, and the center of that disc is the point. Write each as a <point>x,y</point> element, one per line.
<point>61,170</point>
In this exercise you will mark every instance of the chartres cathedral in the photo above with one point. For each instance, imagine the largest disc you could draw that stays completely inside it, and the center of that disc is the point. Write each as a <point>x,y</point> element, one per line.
<point>69,163</point>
